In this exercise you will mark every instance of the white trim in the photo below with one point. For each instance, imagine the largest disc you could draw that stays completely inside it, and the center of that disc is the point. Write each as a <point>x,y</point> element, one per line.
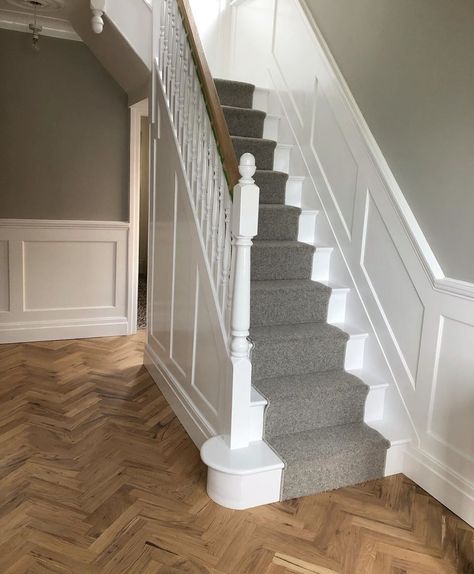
<point>22,332</point>
<point>52,27</point>
<point>137,112</point>
<point>61,224</point>
<point>454,287</point>
<point>441,482</point>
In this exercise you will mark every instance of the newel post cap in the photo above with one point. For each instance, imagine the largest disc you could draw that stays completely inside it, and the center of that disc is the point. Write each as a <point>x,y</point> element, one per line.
<point>247,168</point>
<point>246,200</point>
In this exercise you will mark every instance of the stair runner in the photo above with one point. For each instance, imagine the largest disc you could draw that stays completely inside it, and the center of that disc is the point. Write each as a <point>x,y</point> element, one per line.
<point>314,417</point>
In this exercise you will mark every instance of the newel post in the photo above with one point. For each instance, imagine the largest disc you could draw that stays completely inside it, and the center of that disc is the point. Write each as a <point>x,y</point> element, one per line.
<point>244,228</point>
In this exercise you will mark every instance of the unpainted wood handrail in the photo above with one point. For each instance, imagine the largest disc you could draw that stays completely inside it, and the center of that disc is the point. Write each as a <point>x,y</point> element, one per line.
<point>211,97</point>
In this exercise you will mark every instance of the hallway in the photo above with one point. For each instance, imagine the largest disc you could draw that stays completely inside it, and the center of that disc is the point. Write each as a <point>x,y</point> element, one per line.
<point>98,476</point>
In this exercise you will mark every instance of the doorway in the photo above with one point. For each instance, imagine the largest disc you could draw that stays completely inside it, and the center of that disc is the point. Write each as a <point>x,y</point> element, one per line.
<point>139,199</point>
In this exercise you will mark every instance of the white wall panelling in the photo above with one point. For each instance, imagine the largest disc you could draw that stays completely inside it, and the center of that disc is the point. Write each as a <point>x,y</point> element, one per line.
<point>62,279</point>
<point>420,324</point>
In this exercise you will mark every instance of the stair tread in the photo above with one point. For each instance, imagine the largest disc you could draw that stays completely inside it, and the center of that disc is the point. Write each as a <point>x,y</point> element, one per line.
<point>279,207</point>
<point>255,141</point>
<point>236,83</point>
<point>323,443</point>
<point>285,243</point>
<point>244,111</point>
<point>297,331</point>
<point>302,387</point>
<point>290,285</point>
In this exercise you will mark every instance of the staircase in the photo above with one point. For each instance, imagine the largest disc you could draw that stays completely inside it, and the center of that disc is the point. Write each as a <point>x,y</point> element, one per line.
<point>314,419</point>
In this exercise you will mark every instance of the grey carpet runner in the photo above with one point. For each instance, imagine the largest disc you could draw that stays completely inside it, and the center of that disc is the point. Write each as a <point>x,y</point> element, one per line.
<point>315,414</point>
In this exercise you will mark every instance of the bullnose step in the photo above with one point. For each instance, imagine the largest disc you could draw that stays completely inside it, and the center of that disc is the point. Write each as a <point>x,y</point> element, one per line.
<point>329,458</point>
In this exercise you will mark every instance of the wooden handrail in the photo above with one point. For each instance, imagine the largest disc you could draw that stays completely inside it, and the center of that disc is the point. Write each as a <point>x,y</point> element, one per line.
<point>211,97</point>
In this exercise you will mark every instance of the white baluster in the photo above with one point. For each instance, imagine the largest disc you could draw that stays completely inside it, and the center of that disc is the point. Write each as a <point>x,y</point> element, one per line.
<point>210,193</point>
<point>215,214</point>
<point>220,235</point>
<point>161,58</point>
<point>244,228</point>
<point>227,254</point>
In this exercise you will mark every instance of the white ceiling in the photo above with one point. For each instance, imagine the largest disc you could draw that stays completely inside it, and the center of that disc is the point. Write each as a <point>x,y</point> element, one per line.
<point>53,15</point>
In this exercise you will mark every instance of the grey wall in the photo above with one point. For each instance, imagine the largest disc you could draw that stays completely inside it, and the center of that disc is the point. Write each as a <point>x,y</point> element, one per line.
<point>410,67</point>
<point>64,133</point>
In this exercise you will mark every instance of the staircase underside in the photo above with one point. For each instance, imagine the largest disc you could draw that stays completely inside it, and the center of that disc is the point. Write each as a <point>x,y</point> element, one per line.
<point>314,419</point>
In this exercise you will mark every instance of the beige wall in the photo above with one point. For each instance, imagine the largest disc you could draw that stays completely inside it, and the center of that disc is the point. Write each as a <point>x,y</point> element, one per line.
<point>64,133</point>
<point>410,67</point>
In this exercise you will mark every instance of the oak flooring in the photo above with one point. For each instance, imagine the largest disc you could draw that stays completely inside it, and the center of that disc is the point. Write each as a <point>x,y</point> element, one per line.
<point>98,476</point>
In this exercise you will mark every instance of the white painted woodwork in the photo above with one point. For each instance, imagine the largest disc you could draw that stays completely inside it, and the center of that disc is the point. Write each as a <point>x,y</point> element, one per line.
<point>199,246</point>
<point>420,324</point>
<point>62,279</point>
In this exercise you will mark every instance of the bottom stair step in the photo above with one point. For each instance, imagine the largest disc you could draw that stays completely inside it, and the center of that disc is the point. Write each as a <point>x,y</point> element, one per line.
<point>329,458</point>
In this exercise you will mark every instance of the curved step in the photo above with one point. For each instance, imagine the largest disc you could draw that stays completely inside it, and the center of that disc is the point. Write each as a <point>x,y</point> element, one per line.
<point>330,458</point>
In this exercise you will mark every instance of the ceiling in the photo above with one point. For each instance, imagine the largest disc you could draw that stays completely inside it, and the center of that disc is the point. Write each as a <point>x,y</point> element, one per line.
<point>53,15</point>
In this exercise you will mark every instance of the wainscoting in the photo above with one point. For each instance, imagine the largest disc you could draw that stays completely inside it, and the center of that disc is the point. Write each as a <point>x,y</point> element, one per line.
<point>187,343</point>
<point>62,279</point>
<point>421,322</point>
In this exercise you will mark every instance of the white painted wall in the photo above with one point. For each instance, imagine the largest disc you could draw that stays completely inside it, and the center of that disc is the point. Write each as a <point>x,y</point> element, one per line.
<point>187,347</point>
<point>421,325</point>
<point>62,279</point>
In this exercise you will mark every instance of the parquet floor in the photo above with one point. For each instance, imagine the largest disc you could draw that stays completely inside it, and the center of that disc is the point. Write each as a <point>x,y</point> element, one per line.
<point>98,476</point>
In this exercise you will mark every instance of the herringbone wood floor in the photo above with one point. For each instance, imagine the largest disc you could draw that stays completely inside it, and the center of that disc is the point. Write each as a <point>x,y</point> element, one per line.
<point>98,476</point>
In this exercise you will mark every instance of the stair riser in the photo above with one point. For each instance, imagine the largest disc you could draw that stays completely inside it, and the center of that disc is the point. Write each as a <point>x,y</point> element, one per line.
<point>281,263</point>
<point>338,406</point>
<point>272,187</point>
<point>279,307</point>
<point>236,95</point>
<point>262,150</point>
<point>297,357</point>
<point>278,225</point>
<point>307,478</point>
<point>244,123</point>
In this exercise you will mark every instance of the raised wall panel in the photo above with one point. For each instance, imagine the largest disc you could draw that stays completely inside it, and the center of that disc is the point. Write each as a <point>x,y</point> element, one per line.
<point>392,288</point>
<point>207,372</point>
<point>183,290</point>
<point>4,278</point>
<point>334,155</point>
<point>68,275</point>
<point>452,402</point>
<point>164,234</point>
<point>298,79</point>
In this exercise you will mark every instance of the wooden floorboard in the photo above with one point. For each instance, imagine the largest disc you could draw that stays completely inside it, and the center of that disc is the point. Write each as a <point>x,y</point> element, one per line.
<point>98,476</point>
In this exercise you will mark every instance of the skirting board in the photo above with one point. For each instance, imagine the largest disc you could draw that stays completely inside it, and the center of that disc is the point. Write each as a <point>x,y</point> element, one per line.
<point>197,428</point>
<point>451,490</point>
<point>60,330</point>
